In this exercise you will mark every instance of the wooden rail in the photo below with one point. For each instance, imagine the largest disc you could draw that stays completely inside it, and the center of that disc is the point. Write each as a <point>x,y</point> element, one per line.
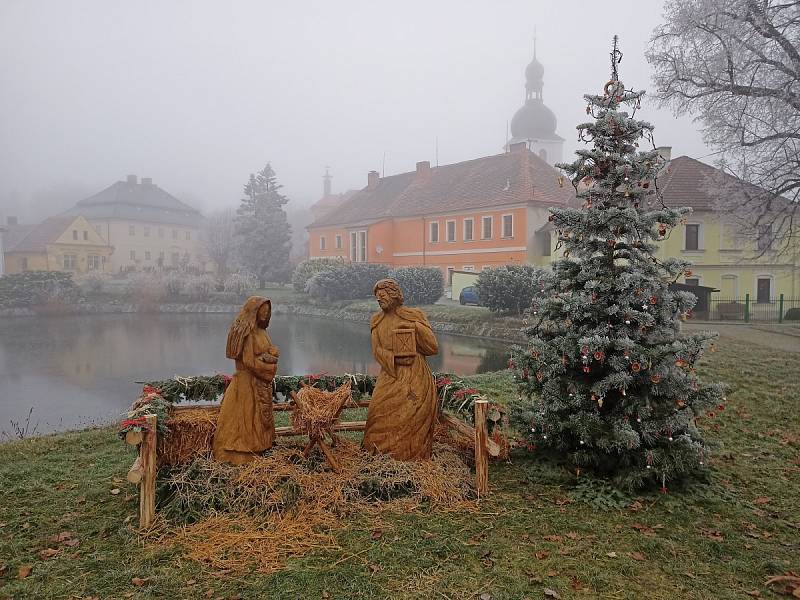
<point>143,471</point>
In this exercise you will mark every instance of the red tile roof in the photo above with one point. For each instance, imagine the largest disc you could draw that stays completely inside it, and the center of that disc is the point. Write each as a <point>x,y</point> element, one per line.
<point>517,177</point>
<point>46,232</point>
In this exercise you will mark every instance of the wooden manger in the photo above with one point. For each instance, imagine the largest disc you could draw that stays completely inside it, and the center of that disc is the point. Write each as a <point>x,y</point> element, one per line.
<point>144,469</point>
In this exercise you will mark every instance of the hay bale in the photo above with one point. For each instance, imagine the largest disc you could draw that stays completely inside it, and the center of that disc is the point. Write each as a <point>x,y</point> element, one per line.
<point>191,432</point>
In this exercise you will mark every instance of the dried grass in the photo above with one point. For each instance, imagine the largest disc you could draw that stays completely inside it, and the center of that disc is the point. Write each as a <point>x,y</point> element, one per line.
<point>191,432</point>
<point>257,515</point>
<point>317,410</point>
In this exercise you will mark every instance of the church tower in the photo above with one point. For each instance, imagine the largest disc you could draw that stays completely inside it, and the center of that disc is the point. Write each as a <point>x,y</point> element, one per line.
<point>534,123</point>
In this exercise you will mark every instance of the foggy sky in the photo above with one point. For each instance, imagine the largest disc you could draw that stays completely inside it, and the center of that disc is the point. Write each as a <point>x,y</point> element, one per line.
<point>197,95</point>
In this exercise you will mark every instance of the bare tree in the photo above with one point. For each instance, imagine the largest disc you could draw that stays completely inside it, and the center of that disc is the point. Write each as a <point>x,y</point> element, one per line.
<point>735,66</point>
<point>218,239</point>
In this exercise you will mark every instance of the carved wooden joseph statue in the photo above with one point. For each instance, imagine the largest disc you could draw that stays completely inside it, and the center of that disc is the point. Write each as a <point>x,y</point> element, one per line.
<point>404,405</point>
<point>246,425</point>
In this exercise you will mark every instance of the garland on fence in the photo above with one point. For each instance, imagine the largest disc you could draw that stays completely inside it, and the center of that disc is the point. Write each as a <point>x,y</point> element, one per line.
<point>159,396</point>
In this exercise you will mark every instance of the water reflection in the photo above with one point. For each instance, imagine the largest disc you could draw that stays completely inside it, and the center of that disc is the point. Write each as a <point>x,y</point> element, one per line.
<point>78,370</point>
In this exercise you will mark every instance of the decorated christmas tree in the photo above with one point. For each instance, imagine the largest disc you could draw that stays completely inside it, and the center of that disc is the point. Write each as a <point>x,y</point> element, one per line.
<point>607,379</point>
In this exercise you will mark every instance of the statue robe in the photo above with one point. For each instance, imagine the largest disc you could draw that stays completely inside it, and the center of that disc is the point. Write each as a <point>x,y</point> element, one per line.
<point>246,424</point>
<point>404,406</point>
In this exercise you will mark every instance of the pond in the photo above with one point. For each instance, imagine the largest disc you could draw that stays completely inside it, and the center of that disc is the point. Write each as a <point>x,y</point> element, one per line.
<point>75,371</point>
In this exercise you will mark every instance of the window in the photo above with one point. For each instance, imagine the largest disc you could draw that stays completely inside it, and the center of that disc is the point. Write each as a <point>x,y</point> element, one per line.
<point>763,289</point>
<point>468,226</point>
<point>161,232</point>
<point>133,254</point>
<point>508,226</point>
<point>146,231</point>
<point>188,235</point>
<point>131,230</point>
<point>362,246</point>
<point>468,268</point>
<point>486,228</point>
<point>451,231</point>
<point>322,242</point>
<point>147,254</point>
<point>70,261</point>
<point>486,268</point>
<point>338,242</point>
<point>86,235</point>
<point>765,237</point>
<point>23,263</point>
<point>434,232</point>
<point>74,234</point>
<point>692,281</point>
<point>692,237</point>
<point>353,244</point>
<point>174,234</point>
<point>95,263</point>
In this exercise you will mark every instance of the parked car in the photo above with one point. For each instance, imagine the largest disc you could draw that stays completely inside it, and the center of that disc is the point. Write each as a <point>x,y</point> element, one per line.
<point>469,295</point>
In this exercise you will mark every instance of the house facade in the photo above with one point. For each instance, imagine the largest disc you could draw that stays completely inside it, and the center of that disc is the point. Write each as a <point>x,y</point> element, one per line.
<point>57,244</point>
<point>467,216</point>
<point>147,226</point>
<point>724,259</point>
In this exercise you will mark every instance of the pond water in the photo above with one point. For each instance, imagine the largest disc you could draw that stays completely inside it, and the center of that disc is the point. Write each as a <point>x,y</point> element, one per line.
<point>75,371</point>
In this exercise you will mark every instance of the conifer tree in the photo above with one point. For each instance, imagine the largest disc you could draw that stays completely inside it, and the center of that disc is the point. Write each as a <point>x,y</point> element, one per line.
<point>263,234</point>
<point>606,378</point>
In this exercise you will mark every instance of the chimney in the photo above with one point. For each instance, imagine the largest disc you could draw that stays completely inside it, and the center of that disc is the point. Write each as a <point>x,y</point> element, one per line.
<point>518,147</point>
<point>147,181</point>
<point>131,179</point>
<point>665,152</point>
<point>326,183</point>
<point>372,180</point>
<point>12,221</point>
<point>423,166</point>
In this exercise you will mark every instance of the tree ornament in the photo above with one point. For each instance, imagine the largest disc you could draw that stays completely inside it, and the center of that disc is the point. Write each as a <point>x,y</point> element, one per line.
<point>636,367</point>
<point>599,355</point>
<point>653,300</point>
<point>662,230</point>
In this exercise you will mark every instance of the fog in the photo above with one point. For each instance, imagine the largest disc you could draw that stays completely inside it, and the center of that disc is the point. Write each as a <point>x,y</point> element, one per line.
<point>197,95</point>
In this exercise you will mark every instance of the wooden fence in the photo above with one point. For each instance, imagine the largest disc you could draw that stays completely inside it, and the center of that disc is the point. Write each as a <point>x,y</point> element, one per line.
<point>144,469</point>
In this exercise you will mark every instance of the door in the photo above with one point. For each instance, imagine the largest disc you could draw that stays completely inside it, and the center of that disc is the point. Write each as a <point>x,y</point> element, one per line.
<point>763,293</point>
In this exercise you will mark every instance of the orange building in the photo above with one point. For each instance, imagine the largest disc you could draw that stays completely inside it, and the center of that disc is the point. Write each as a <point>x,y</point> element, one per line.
<point>467,216</point>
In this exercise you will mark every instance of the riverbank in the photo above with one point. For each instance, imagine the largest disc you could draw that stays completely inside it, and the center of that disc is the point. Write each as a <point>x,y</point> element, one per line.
<point>67,515</point>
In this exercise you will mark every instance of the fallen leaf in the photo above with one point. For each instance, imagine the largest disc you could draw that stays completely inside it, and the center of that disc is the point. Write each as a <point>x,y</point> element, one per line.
<point>210,593</point>
<point>191,582</point>
<point>541,555</point>
<point>115,491</point>
<point>140,581</point>
<point>48,553</point>
<point>24,571</point>
<point>486,596</point>
<point>428,535</point>
<point>611,554</point>
<point>635,506</point>
<point>553,573</point>
<point>573,535</point>
<point>3,569</point>
<point>376,534</point>
<point>374,568</point>
<point>713,535</point>
<point>754,593</point>
<point>552,538</point>
<point>128,594</point>
<point>762,500</point>
<point>551,593</point>
<point>72,543</point>
<point>637,556</point>
<point>690,575</point>
<point>326,595</point>
<point>576,585</point>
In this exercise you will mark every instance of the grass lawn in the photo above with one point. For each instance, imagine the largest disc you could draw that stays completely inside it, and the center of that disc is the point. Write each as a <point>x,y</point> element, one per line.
<point>531,535</point>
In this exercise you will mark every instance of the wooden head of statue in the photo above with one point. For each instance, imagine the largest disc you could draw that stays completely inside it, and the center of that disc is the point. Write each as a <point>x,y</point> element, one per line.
<point>255,313</point>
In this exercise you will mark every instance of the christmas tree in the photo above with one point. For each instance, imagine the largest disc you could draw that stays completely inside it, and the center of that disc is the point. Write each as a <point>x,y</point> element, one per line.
<point>607,378</point>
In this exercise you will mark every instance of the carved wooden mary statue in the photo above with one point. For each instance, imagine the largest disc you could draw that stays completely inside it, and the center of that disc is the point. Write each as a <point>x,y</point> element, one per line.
<point>403,409</point>
<point>246,425</point>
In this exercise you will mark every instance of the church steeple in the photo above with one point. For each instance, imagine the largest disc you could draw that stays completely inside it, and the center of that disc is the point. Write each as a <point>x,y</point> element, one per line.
<point>326,183</point>
<point>534,77</point>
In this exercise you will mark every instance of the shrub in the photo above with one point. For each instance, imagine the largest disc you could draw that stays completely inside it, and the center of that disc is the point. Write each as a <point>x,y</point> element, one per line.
<point>508,289</point>
<point>199,287</point>
<point>420,285</point>
<point>225,297</point>
<point>146,288</point>
<point>174,283</point>
<point>33,288</point>
<point>346,282</point>
<point>92,283</point>
<point>308,268</point>
<point>240,283</point>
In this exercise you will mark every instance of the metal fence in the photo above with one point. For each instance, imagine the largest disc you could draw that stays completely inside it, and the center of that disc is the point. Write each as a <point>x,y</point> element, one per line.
<point>748,310</point>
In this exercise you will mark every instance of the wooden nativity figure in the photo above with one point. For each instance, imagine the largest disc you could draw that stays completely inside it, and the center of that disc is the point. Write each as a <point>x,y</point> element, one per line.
<point>246,425</point>
<point>404,406</point>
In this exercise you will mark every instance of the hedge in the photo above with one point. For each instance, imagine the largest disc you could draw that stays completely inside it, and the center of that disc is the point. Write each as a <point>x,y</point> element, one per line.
<point>508,289</point>
<point>420,285</point>
<point>346,282</point>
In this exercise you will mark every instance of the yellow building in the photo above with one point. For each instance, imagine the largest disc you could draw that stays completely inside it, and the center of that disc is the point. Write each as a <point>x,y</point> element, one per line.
<point>723,258</point>
<point>57,244</point>
<point>148,227</point>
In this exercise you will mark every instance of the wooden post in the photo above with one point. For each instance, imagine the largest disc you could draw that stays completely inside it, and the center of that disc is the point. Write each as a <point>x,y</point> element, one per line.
<point>147,486</point>
<point>481,447</point>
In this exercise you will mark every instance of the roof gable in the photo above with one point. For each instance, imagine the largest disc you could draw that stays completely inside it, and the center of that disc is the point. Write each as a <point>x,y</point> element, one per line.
<point>46,232</point>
